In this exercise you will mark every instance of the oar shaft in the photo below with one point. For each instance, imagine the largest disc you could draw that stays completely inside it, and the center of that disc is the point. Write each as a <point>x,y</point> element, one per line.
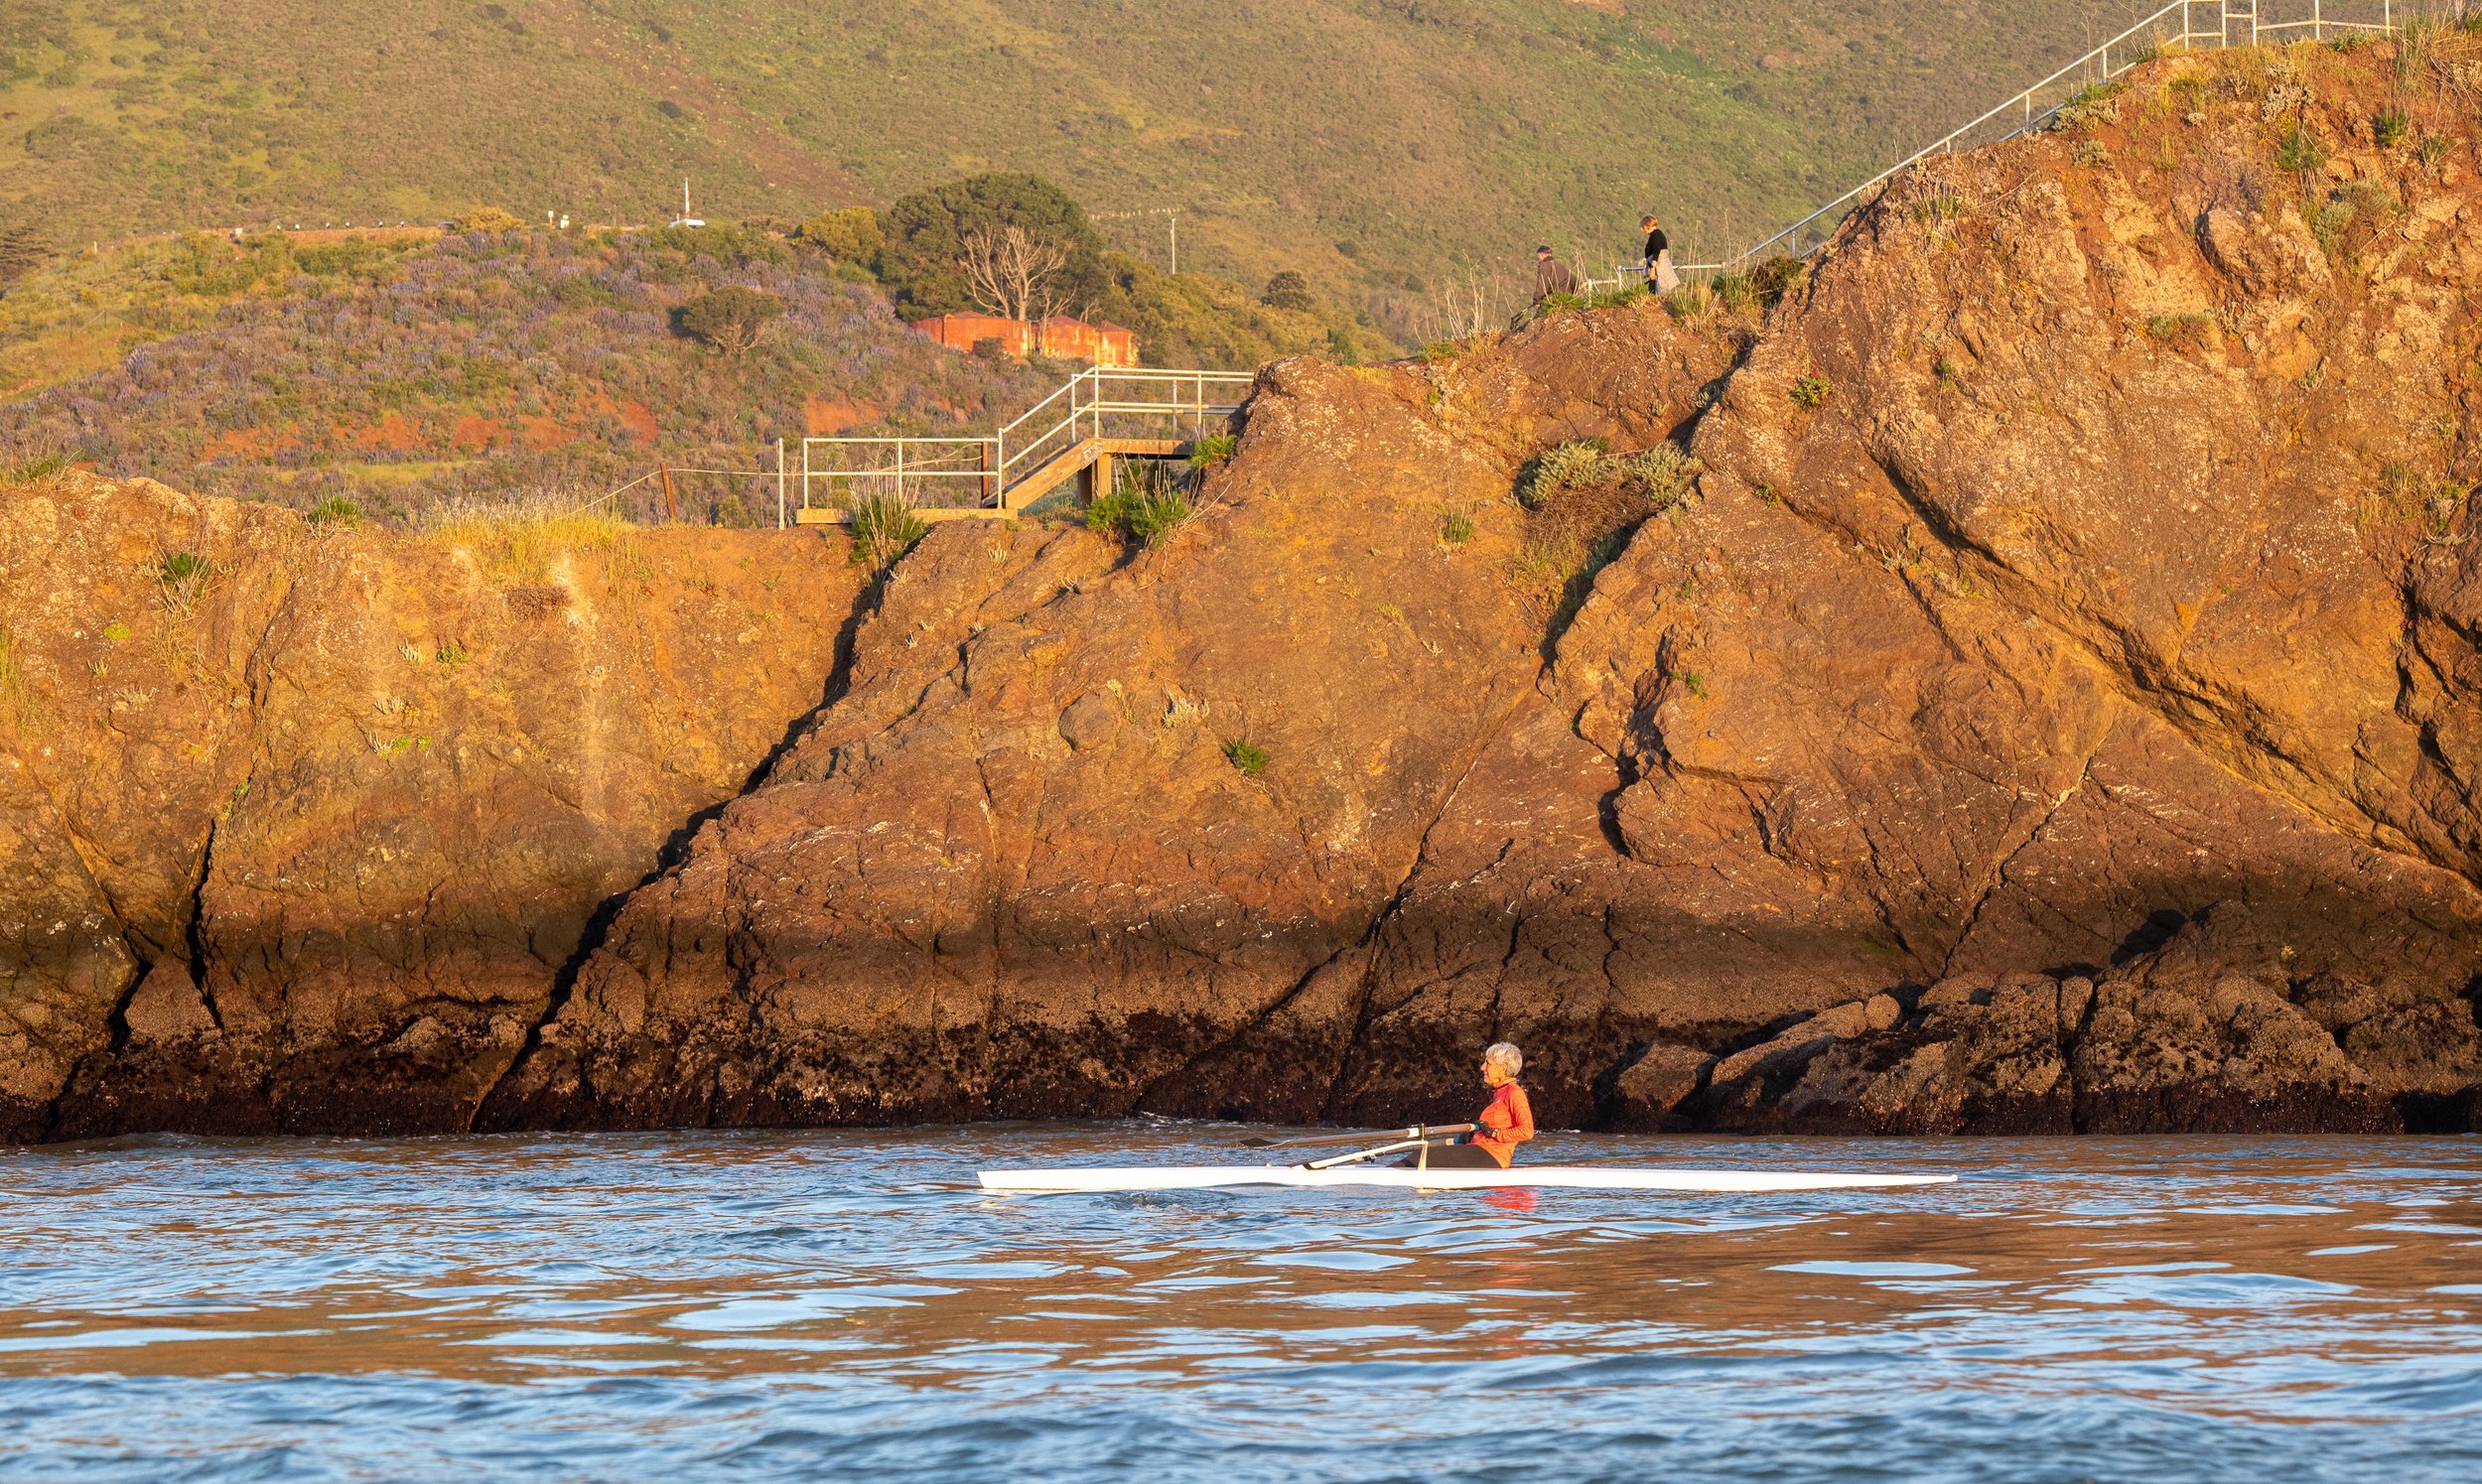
<point>1418,1131</point>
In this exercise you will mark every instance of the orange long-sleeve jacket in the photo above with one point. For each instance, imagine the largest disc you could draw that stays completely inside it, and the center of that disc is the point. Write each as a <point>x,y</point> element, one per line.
<point>1507,1122</point>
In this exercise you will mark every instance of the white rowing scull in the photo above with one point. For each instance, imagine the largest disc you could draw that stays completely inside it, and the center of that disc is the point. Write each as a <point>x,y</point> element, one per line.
<point>1355,1169</point>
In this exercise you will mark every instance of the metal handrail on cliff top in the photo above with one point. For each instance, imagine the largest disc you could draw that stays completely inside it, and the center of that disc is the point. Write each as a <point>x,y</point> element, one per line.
<point>2095,66</point>
<point>1081,420</point>
<point>908,466</point>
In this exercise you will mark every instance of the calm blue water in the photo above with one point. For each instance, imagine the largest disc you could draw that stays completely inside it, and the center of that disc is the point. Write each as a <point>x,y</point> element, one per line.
<point>774,1305</point>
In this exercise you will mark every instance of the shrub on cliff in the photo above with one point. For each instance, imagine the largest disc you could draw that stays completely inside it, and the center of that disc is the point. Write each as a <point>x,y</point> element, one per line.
<point>1143,503</point>
<point>851,235</point>
<point>884,528</point>
<point>1568,466</point>
<point>730,319</point>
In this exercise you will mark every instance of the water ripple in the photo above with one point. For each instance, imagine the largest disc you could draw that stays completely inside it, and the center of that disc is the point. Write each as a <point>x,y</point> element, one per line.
<point>776,1305</point>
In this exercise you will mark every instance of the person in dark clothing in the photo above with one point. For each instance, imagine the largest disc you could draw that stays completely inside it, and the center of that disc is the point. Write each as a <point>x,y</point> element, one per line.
<point>1551,276</point>
<point>1660,275</point>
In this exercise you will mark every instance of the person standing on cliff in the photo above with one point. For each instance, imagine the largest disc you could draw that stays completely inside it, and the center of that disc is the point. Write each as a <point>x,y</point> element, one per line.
<point>1551,276</point>
<point>1507,1120</point>
<point>1661,276</point>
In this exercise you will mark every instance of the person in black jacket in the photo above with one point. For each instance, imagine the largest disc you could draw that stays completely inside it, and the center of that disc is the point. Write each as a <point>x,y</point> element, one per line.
<point>1660,275</point>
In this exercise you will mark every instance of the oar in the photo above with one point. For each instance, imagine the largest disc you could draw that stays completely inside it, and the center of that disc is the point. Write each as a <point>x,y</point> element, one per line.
<point>1418,1131</point>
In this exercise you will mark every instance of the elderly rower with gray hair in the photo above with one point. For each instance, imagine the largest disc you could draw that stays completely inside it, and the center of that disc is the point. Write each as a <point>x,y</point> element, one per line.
<point>1507,1121</point>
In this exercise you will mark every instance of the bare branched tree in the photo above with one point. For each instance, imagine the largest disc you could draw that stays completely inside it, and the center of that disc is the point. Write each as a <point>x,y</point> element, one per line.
<point>1013,273</point>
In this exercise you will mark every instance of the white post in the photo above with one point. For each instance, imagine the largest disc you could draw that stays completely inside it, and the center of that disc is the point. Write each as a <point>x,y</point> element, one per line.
<point>1176,220</point>
<point>780,483</point>
<point>899,470</point>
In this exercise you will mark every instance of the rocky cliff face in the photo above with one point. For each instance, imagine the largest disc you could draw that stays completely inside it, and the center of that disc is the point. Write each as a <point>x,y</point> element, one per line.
<point>301,827</point>
<point>2050,707</point>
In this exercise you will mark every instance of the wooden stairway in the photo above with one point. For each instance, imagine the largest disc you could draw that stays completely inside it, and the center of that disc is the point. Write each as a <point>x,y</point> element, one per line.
<point>1088,460</point>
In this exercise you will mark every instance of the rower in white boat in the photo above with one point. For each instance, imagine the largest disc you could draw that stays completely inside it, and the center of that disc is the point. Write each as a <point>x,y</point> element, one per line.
<point>1504,1123</point>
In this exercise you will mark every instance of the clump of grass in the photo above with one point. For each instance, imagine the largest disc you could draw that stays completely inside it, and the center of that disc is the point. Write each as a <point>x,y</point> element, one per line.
<point>1246,756</point>
<point>1689,301</point>
<point>2390,127</point>
<point>1211,450</point>
<point>181,577</point>
<point>1567,465</point>
<point>2090,154</point>
<point>1777,277</point>
<point>33,471</point>
<point>2302,151</point>
<point>2406,494</point>
<point>1690,681</point>
<point>1614,298</point>
<point>335,510</point>
<point>1948,372</point>
<point>515,540</point>
<point>884,528</point>
<point>1931,211</point>
<point>2095,104</point>
<point>116,631</point>
<point>2347,219</point>
<point>2432,151</point>
<point>1661,474</point>
<point>1809,392</point>
<point>2176,326</point>
<point>1455,528</point>
<point>1143,503</point>
<point>1737,296</point>
<point>1551,302</point>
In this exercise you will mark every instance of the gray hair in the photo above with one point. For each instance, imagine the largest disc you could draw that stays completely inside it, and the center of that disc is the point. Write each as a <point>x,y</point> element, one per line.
<point>1505,1057</point>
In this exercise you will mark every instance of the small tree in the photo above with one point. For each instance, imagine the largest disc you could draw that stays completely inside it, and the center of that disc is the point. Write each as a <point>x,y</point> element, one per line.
<point>851,235</point>
<point>1014,272</point>
<point>1286,289</point>
<point>730,319</point>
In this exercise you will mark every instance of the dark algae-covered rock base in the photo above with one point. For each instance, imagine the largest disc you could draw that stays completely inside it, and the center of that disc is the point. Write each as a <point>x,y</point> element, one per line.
<point>2051,701</point>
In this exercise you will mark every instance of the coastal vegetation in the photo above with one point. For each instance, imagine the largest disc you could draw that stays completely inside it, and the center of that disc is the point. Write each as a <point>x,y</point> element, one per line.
<point>1504,120</point>
<point>393,371</point>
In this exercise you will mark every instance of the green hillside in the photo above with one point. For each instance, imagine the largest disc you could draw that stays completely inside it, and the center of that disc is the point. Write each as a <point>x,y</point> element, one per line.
<point>1383,147</point>
<point>405,369</point>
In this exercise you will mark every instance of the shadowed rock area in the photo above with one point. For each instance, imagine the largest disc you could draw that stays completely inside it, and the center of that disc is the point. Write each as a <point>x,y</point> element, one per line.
<point>2047,704</point>
<point>304,825</point>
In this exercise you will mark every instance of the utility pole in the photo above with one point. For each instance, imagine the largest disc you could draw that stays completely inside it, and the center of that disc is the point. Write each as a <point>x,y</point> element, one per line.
<point>1173,218</point>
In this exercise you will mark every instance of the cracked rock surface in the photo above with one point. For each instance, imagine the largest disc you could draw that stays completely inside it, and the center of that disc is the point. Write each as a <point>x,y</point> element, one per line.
<point>2056,706</point>
<point>306,841</point>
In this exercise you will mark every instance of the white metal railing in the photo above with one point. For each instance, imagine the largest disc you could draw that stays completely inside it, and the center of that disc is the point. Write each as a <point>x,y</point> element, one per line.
<point>1135,399</point>
<point>919,471</point>
<point>2233,23</point>
<point>948,473</point>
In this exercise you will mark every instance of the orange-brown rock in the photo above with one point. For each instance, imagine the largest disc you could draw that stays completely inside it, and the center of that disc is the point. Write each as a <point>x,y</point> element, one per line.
<point>303,839</point>
<point>2054,707</point>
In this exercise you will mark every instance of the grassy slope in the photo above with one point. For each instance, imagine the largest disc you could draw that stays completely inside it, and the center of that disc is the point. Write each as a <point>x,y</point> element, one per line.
<point>405,375</point>
<point>1419,133</point>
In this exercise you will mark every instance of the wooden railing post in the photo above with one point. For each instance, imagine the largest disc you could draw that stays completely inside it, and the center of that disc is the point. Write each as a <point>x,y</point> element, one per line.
<point>672,509</point>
